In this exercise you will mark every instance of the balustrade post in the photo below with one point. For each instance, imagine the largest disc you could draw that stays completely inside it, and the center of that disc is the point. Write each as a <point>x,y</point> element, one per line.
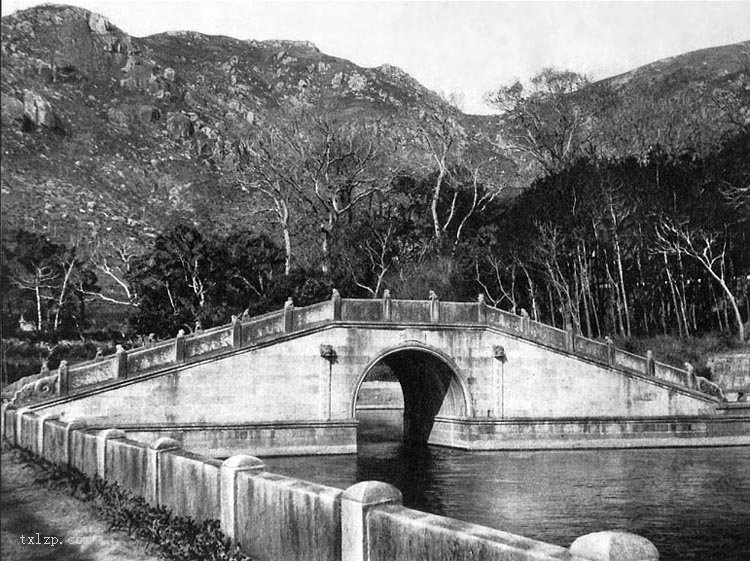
<point>179,346</point>
<point>40,433</point>
<point>69,427</point>
<point>525,322</point>
<point>356,502</point>
<point>101,449</point>
<point>63,378</point>
<point>650,363</point>
<point>434,308</point>
<point>481,309</point>
<point>155,451</point>
<point>236,332</point>
<point>228,477</point>
<point>121,362</point>
<point>570,339</point>
<point>289,315</point>
<point>387,305</point>
<point>336,305</point>
<point>610,351</point>
<point>18,425</point>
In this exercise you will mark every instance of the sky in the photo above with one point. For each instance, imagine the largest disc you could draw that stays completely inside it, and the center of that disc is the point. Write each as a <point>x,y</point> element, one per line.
<point>463,48</point>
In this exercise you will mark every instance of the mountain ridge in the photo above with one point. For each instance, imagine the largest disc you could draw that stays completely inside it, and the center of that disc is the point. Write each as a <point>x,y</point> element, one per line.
<point>110,134</point>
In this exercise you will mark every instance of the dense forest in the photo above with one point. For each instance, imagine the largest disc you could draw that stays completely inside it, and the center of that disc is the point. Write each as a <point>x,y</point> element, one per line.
<point>612,222</point>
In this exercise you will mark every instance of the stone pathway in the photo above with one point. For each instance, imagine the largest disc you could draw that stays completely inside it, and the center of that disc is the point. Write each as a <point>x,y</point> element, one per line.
<point>40,513</point>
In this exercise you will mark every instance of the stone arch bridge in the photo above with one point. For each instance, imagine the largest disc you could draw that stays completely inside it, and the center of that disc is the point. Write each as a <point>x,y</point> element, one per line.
<point>472,376</point>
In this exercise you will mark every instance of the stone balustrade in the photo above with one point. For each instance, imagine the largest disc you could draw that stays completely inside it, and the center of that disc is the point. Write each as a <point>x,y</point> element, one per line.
<point>276,517</point>
<point>290,319</point>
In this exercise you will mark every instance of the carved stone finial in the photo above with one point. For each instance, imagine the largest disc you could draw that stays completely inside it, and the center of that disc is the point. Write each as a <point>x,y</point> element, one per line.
<point>289,302</point>
<point>481,299</point>
<point>690,368</point>
<point>180,333</point>
<point>386,294</point>
<point>335,293</point>
<point>524,313</point>
<point>119,349</point>
<point>433,296</point>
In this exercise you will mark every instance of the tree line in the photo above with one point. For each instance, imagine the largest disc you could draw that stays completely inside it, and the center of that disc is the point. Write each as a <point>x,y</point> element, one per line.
<point>567,207</point>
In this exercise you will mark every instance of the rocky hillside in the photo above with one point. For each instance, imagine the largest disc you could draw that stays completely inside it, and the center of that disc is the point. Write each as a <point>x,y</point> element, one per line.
<point>107,133</point>
<point>104,134</point>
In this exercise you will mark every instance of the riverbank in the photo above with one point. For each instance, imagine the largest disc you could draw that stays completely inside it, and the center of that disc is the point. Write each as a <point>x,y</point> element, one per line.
<point>33,508</point>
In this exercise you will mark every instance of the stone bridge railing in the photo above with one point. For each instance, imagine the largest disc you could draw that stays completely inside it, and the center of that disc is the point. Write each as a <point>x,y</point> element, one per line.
<point>266,328</point>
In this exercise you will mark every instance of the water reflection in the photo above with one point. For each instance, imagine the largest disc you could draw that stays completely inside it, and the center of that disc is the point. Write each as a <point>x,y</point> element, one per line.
<point>694,504</point>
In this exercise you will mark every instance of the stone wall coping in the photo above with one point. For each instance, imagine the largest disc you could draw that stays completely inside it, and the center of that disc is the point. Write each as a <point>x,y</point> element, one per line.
<point>373,493</point>
<point>614,546</point>
<point>243,462</point>
<point>106,434</point>
<point>517,546</point>
<point>165,443</point>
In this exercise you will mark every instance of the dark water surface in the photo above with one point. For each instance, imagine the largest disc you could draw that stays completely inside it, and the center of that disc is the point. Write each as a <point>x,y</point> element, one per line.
<point>692,503</point>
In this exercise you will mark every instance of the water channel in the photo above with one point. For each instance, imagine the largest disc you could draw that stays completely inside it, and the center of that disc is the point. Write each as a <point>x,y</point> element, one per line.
<point>692,503</point>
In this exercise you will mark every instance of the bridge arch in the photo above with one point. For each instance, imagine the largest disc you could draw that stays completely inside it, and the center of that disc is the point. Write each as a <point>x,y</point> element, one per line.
<point>431,382</point>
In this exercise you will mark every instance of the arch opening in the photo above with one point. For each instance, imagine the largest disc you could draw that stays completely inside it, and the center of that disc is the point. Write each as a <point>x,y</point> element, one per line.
<point>429,387</point>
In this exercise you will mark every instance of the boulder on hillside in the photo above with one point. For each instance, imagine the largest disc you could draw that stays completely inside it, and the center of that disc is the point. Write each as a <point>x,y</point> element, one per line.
<point>148,114</point>
<point>139,77</point>
<point>12,107</point>
<point>117,116</point>
<point>39,111</point>
<point>99,24</point>
<point>179,125</point>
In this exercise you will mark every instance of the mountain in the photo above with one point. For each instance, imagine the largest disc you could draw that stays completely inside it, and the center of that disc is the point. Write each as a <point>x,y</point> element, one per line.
<point>103,132</point>
<point>108,135</point>
<point>712,67</point>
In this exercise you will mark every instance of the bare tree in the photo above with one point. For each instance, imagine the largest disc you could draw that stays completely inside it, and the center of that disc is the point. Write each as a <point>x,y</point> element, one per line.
<point>550,254</point>
<point>113,259</point>
<point>268,169</point>
<point>440,139</point>
<point>328,163</point>
<point>377,250</point>
<point>544,121</point>
<point>707,249</point>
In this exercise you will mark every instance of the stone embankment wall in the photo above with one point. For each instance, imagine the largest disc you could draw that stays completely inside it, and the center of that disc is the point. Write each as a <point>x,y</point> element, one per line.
<point>274,517</point>
<point>731,372</point>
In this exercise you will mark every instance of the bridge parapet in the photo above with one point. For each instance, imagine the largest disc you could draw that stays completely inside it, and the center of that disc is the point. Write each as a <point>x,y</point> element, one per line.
<point>290,319</point>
